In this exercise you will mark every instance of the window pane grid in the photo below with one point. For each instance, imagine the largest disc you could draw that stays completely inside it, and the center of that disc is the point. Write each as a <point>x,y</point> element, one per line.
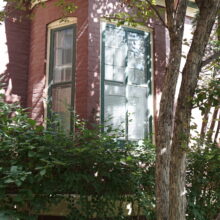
<point>129,55</point>
<point>62,55</point>
<point>61,75</point>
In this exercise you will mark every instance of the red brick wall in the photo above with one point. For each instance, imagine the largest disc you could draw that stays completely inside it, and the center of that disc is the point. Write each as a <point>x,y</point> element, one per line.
<point>99,9</point>
<point>38,51</point>
<point>87,102</point>
<point>159,63</point>
<point>17,36</point>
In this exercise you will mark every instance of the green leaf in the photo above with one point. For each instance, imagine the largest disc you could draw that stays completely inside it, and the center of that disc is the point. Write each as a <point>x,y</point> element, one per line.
<point>43,172</point>
<point>9,180</point>
<point>14,169</point>
<point>31,122</point>
<point>31,154</point>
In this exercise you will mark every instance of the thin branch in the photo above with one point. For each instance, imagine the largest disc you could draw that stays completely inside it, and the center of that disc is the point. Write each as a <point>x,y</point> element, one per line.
<point>198,3</point>
<point>217,132</point>
<point>205,121</point>
<point>213,123</point>
<point>170,12</point>
<point>211,58</point>
<point>158,13</point>
<point>176,6</point>
<point>180,13</point>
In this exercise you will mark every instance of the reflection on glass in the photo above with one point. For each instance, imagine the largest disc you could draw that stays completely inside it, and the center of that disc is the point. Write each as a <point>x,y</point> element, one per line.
<point>63,50</point>
<point>120,56</point>
<point>61,102</point>
<point>109,72</point>
<point>136,76</point>
<point>114,37</point>
<point>136,42</point>
<point>114,73</point>
<point>119,35</point>
<point>137,112</point>
<point>119,74</point>
<point>109,55</point>
<point>136,60</point>
<point>115,54</point>
<point>115,106</point>
<point>125,100</point>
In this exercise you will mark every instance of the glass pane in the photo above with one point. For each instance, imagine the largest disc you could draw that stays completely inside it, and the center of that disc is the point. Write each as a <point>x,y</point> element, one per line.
<point>136,42</point>
<point>120,37</point>
<point>63,55</point>
<point>119,74</point>
<point>140,61</point>
<point>130,73</point>
<point>109,71</point>
<point>61,104</point>
<point>120,56</point>
<point>114,73</point>
<point>109,36</point>
<point>136,53</point>
<point>115,110</point>
<point>125,62</point>
<point>136,60</point>
<point>115,54</point>
<point>135,76</point>
<point>114,37</point>
<point>137,112</point>
<point>131,59</point>
<point>109,55</point>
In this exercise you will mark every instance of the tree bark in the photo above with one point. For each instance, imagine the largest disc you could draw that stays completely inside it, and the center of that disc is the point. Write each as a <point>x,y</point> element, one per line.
<point>207,15</point>
<point>213,122</point>
<point>165,121</point>
<point>205,122</point>
<point>217,131</point>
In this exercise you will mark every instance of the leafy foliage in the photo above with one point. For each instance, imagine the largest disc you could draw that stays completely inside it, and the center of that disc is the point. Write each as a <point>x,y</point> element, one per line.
<point>67,7</point>
<point>208,95</point>
<point>203,174</point>
<point>203,180</point>
<point>91,171</point>
<point>138,12</point>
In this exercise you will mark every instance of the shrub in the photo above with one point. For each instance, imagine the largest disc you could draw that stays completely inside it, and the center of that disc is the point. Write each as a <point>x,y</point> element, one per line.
<point>203,181</point>
<point>91,170</point>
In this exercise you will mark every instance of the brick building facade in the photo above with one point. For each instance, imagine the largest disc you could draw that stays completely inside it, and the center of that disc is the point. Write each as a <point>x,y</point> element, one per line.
<point>27,45</point>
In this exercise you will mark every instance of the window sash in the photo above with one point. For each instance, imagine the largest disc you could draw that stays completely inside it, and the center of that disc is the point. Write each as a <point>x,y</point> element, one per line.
<point>126,83</point>
<point>71,82</point>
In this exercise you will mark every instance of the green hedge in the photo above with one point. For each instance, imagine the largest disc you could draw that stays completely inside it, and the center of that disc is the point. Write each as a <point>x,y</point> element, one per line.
<point>40,167</point>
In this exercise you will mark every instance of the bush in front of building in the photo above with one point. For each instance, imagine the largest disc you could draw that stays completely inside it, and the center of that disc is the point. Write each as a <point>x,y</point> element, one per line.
<point>91,172</point>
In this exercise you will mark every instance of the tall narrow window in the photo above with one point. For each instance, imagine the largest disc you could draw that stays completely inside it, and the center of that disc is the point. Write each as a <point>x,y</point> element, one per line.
<point>126,81</point>
<point>61,74</point>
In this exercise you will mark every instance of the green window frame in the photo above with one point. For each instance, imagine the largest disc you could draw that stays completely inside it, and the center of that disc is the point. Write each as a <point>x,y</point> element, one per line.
<point>126,68</point>
<point>61,77</point>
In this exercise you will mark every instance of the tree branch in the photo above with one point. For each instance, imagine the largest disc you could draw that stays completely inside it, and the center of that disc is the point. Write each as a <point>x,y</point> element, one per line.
<point>157,13</point>
<point>213,123</point>
<point>215,138</point>
<point>170,12</point>
<point>210,58</point>
<point>180,13</point>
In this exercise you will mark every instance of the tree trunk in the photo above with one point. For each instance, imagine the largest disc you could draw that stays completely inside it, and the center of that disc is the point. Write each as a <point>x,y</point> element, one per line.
<point>165,120</point>
<point>163,143</point>
<point>208,12</point>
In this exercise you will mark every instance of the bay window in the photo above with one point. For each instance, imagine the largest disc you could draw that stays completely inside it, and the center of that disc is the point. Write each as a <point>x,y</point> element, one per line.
<point>126,90</point>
